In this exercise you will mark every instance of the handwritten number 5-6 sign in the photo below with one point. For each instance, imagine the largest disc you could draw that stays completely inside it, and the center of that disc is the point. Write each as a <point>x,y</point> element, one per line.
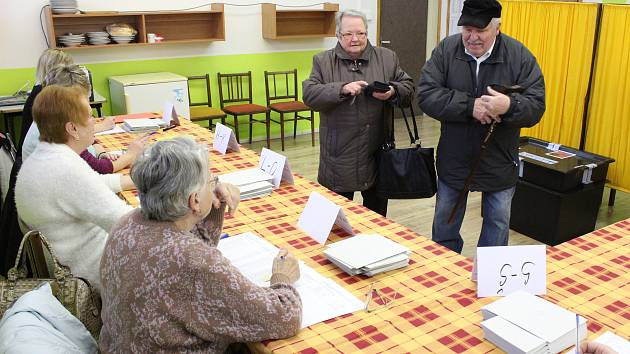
<point>503,270</point>
<point>508,272</point>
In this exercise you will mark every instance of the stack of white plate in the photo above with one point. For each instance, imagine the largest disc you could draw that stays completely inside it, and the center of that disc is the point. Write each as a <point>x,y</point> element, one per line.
<point>123,39</point>
<point>98,38</point>
<point>71,40</point>
<point>64,6</point>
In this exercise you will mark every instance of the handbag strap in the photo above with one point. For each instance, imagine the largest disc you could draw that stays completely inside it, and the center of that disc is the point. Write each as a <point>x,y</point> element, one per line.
<point>413,135</point>
<point>19,269</point>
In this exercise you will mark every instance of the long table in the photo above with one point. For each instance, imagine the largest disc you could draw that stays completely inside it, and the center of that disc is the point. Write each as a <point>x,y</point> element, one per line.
<point>435,307</point>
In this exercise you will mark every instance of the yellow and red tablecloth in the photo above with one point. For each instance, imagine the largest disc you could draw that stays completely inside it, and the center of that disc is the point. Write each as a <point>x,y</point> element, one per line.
<point>435,306</point>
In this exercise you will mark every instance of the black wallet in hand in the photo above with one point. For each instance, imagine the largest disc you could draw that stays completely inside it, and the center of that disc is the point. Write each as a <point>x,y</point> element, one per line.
<point>507,90</point>
<point>376,86</point>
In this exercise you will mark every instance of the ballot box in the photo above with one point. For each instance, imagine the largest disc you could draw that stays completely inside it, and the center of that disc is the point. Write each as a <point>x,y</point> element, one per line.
<point>559,191</point>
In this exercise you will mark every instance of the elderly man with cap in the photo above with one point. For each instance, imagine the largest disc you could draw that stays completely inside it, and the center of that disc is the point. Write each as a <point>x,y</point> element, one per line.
<point>459,87</point>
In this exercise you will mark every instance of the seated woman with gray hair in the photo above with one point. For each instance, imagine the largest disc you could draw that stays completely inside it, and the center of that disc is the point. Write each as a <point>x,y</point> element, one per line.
<point>72,75</point>
<point>166,287</point>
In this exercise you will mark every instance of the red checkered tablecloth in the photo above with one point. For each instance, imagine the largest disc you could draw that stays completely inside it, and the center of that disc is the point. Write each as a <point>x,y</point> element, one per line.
<point>435,308</point>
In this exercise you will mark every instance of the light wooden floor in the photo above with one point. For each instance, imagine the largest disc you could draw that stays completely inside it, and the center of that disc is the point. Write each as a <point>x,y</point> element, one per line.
<point>418,214</point>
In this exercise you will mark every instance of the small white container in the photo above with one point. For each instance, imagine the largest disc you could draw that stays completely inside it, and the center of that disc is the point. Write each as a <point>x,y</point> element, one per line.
<point>151,37</point>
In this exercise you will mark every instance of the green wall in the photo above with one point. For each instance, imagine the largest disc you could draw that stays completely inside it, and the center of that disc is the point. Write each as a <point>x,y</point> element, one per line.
<point>12,79</point>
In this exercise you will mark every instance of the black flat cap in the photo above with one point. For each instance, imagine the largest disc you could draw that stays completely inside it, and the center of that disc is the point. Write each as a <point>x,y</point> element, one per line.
<point>478,13</point>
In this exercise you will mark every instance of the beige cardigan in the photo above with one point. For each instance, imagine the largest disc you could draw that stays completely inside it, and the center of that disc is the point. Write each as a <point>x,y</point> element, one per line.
<point>167,291</point>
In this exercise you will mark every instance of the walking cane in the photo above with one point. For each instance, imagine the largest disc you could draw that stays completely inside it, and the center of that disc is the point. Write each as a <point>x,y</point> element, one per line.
<point>484,144</point>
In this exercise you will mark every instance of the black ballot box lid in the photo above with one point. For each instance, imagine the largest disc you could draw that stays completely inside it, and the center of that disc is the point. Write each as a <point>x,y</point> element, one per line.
<point>558,167</point>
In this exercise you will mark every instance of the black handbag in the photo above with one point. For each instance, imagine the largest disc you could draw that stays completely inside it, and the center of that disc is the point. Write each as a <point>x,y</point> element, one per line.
<point>405,173</point>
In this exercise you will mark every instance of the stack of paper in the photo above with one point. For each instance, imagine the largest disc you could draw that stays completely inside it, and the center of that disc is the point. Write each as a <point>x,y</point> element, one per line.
<point>524,323</point>
<point>252,182</point>
<point>322,298</point>
<point>367,254</point>
<point>143,125</point>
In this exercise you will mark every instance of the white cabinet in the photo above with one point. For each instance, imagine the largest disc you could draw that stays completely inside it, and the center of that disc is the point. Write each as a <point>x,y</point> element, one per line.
<point>141,93</point>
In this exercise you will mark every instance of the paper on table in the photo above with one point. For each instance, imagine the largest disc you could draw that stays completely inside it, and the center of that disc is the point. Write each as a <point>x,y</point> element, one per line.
<point>506,335</point>
<point>319,216</point>
<point>224,139</point>
<point>617,343</point>
<point>276,165</point>
<point>534,314</point>
<point>502,270</point>
<point>361,250</point>
<point>322,298</point>
<point>116,129</point>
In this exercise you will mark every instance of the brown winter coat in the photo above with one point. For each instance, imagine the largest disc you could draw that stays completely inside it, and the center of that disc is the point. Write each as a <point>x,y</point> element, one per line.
<point>352,129</point>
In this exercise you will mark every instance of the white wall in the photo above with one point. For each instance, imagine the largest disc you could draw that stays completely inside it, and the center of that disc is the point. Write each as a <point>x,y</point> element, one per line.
<point>22,41</point>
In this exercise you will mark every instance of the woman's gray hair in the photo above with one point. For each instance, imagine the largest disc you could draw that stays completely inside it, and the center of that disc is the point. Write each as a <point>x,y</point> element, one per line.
<point>166,174</point>
<point>68,76</point>
<point>48,60</point>
<point>350,13</point>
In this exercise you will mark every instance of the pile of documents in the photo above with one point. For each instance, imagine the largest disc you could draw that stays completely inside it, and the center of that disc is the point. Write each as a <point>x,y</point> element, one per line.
<point>143,125</point>
<point>322,298</point>
<point>525,323</point>
<point>367,254</point>
<point>252,182</point>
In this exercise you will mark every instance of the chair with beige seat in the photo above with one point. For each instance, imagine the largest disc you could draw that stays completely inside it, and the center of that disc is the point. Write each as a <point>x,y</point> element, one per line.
<point>200,111</point>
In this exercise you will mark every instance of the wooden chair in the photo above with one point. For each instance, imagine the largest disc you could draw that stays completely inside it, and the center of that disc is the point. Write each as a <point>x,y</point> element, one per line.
<point>284,87</point>
<point>200,111</point>
<point>237,88</point>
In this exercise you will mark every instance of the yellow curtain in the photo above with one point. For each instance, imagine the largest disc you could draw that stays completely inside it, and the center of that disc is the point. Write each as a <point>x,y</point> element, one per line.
<point>560,35</point>
<point>608,129</point>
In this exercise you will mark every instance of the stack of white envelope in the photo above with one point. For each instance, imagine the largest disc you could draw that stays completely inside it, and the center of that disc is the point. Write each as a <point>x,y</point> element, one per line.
<point>525,323</point>
<point>143,125</point>
<point>367,254</point>
<point>252,182</point>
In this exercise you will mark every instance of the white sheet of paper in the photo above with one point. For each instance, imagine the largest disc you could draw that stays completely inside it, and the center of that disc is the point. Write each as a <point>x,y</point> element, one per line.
<point>617,343</point>
<point>342,221</point>
<point>169,113</point>
<point>319,216</point>
<point>505,269</point>
<point>115,130</point>
<point>224,139</point>
<point>276,165</point>
<point>322,298</point>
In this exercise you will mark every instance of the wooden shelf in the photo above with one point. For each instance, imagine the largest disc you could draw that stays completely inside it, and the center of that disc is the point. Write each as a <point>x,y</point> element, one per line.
<point>289,24</point>
<point>174,26</point>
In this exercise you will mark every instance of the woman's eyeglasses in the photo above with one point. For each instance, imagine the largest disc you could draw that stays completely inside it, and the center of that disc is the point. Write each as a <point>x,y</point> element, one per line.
<point>350,35</point>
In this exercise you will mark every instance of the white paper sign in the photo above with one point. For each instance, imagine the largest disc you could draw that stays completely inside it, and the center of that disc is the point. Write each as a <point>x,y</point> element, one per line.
<point>276,165</point>
<point>505,269</point>
<point>319,216</point>
<point>169,114</point>
<point>224,139</point>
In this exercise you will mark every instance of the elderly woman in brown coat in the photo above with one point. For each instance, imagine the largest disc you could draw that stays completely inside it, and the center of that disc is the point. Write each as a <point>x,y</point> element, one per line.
<point>166,287</point>
<point>352,122</point>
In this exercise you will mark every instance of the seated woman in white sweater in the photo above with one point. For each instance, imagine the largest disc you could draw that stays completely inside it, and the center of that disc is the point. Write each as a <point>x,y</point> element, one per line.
<point>58,194</point>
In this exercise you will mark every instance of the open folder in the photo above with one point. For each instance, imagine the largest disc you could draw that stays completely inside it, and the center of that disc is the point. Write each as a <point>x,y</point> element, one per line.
<point>367,254</point>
